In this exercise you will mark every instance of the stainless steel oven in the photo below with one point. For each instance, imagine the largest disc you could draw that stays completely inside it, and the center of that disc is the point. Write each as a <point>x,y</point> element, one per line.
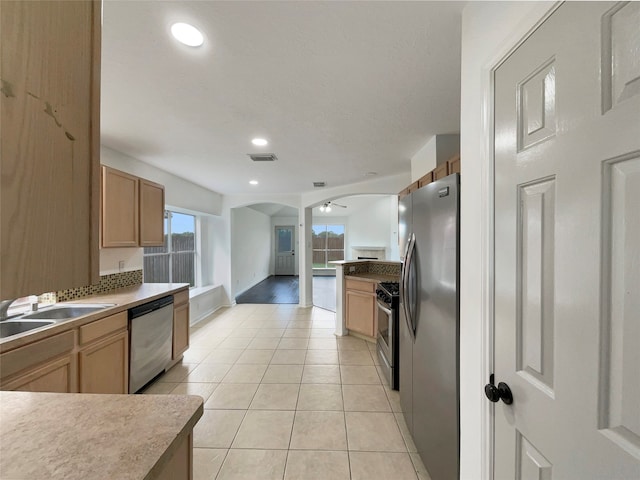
<point>387,343</point>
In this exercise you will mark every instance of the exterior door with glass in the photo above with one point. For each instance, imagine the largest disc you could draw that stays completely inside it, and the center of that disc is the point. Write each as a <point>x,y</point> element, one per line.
<point>285,251</point>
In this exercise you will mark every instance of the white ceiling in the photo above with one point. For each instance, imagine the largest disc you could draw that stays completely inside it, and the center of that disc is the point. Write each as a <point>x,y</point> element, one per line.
<point>338,88</point>
<point>351,204</point>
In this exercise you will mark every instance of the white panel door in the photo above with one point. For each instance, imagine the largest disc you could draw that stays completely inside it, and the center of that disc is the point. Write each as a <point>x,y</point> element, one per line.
<point>567,248</point>
<point>285,251</point>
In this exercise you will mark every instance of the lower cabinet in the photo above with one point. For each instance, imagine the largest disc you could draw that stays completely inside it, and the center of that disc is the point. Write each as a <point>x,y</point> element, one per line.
<point>53,376</point>
<point>180,324</point>
<point>48,365</point>
<point>361,307</point>
<point>104,365</point>
<point>104,355</point>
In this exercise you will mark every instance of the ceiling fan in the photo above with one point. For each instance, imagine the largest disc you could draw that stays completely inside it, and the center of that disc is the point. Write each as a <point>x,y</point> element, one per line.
<point>327,206</point>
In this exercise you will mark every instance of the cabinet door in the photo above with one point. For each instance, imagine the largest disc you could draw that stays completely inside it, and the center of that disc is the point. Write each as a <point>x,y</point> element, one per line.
<point>151,214</point>
<point>52,376</point>
<point>119,209</point>
<point>49,171</point>
<point>454,165</point>
<point>440,172</point>
<point>425,180</point>
<point>104,365</point>
<point>361,312</point>
<point>180,330</point>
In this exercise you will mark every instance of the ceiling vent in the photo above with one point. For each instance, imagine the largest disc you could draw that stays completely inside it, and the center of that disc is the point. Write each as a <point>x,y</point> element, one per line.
<point>262,157</point>
<point>319,184</point>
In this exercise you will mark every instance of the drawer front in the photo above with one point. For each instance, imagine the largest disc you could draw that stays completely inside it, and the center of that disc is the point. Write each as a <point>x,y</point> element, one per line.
<point>181,297</point>
<point>100,328</point>
<point>35,353</point>
<point>360,285</point>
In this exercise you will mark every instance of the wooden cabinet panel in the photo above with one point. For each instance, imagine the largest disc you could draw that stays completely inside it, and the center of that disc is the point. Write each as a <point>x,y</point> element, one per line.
<point>119,209</point>
<point>35,354</point>
<point>360,312</point>
<point>53,376</point>
<point>440,172</point>
<point>105,326</point>
<point>180,466</point>
<point>425,180</point>
<point>104,365</point>
<point>453,165</point>
<point>413,187</point>
<point>50,117</point>
<point>151,214</point>
<point>180,330</point>
<point>360,285</point>
<point>103,361</point>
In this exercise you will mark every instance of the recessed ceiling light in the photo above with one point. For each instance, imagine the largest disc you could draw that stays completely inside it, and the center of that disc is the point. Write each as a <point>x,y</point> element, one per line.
<point>370,174</point>
<point>259,142</point>
<point>187,34</point>
<point>253,182</point>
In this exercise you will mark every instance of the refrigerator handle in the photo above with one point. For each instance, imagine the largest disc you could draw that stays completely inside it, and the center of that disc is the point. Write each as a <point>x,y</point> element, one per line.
<point>408,260</point>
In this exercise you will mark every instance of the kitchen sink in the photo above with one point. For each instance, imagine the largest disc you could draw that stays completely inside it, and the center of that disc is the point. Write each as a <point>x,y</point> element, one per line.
<point>65,312</point>
<point>14,327</point>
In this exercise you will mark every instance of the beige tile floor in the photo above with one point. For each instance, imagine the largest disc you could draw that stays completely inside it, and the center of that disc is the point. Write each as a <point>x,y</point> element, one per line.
<point>286,399</point>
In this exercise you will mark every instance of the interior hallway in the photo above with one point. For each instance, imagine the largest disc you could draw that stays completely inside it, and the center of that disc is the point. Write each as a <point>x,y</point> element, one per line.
<point>285,398</point>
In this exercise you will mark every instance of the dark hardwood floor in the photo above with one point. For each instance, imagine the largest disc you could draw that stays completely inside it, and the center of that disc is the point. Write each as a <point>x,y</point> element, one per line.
<point>274,289</point>
<point>285,289</point>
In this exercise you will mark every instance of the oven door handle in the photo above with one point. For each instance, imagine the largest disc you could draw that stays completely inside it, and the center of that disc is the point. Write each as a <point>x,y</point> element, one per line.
<point>382,307</point>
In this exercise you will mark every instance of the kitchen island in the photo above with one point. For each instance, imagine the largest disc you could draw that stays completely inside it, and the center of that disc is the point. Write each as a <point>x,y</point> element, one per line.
<point>80,436</point>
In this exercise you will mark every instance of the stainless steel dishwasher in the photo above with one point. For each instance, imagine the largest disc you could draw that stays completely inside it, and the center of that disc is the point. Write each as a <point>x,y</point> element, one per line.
<point>150,327</point>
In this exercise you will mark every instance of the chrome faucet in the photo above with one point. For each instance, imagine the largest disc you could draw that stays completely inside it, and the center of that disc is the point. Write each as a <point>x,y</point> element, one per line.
<point>4,308</point>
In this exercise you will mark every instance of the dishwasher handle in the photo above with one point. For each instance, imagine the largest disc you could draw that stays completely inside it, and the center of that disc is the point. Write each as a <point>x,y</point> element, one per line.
<point>150,307</point>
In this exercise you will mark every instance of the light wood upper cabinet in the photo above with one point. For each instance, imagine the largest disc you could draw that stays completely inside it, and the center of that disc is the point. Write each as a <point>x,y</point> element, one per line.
<point>453,165</point>
<point>132,210</point>
<point>119,209</point>
<point>440,172</point>
<point>151,214</point>
<point>49,147</point>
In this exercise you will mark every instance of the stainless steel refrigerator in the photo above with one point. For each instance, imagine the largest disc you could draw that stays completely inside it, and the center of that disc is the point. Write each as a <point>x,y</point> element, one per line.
<point>429,323</point>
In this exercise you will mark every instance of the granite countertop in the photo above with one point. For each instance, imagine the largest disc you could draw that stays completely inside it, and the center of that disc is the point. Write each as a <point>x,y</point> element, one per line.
<point>373,277</point>
<point>122,298</point>
<point>350,262</point>
<point>85,436</point>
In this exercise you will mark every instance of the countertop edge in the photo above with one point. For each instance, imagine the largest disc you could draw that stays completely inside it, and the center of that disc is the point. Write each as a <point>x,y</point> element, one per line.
<point>164,459</point>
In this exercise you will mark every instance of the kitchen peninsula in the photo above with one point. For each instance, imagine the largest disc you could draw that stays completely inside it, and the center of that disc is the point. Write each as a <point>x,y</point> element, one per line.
<point>77,436</point>
<point>356,282</point>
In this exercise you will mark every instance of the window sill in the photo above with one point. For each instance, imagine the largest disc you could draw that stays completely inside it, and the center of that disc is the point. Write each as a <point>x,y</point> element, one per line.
<point>197,291</point>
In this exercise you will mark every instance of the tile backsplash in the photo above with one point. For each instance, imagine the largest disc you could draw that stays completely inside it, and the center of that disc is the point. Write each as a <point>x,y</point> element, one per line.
<point>106,284</point>
<point>374,267</point>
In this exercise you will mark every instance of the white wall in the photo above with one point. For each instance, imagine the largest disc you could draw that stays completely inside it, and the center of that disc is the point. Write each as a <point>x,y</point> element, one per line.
<point>489,29</point>
<point>371,227</point>
<point>110,259</point>
<point>251,252</point>
<point>284,222</point>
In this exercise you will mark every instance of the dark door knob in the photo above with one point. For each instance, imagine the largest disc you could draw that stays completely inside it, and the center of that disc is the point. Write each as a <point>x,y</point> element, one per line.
<point>501,392</point>
<point>505,393</point>
<point>491,392</point>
